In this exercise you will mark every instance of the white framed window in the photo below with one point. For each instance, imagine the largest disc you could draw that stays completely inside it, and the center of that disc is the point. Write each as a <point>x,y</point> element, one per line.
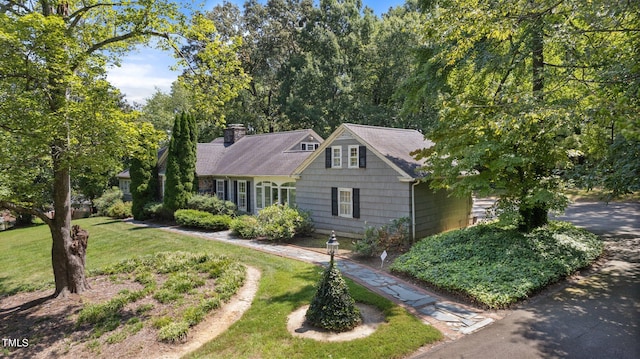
<point>336,156</point>
<point>125,186</point>
<point>345,202</point>
<point>354,156</point>
<point>288,193</point>
<point>309,146</point>
<point>266,194</point>
<point>220,189</point>
<point>242,195</point>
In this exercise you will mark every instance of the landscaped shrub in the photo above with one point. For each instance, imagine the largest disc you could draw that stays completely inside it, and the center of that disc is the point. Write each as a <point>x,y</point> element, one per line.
<point>157,211</point>
<point>332,307</point>
<point>245,227</point>
<point>393,237</point>
<point>211,204</point>
<point>108,199</point>
<point>200,219</point>
<point>281,222</point>
<point>277,223</point>
<point>120,210</point>
<point>498,266</point>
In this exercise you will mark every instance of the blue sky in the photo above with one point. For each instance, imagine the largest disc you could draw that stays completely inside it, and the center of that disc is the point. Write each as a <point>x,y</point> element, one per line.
<point>145,70</point>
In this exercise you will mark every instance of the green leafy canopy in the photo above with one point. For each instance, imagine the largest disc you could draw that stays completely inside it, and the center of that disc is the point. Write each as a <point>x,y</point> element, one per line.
<point>525,90</point>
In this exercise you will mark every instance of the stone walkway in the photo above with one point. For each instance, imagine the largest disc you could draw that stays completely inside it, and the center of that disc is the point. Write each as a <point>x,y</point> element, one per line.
<point>452,319</point>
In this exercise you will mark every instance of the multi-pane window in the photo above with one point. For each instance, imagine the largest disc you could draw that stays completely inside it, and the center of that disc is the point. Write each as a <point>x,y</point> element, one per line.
<point>125,186</point>
<point>242,195</point>
<point>309,146</point>
<point>288,193</point>
<point>336,156</point>
<point>345,202</point>
<point>266,194</point>
<point>220,189</point>
<point>354,155</point>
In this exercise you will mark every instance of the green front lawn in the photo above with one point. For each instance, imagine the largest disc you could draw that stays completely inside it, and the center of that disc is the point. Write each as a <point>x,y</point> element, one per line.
<point>497,266</point>
<point>285,286</point>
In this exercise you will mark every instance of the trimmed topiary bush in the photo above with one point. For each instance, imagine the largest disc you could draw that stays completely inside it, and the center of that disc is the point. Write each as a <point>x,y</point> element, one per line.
<point>200,219</point>
<point>332,307</point>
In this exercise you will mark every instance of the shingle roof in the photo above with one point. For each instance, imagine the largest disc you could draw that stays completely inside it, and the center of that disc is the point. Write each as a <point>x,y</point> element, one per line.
<point>392,145</point>
<point>125,174</point>
<point>269,154</point>
<point>395,144</point>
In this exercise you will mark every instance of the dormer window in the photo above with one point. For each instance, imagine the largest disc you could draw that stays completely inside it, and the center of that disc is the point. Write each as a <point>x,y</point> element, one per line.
<point>309,146</point>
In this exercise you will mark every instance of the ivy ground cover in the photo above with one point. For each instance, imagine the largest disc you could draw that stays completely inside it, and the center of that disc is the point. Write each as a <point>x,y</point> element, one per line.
<point>497,266</point>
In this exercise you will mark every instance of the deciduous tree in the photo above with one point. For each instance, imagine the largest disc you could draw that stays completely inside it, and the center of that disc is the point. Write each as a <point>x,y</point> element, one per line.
<point>521,87</point>
<point>58,112</point>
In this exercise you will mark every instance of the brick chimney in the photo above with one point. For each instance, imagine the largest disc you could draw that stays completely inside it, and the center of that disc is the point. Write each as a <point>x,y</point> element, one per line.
<point>233,133</point>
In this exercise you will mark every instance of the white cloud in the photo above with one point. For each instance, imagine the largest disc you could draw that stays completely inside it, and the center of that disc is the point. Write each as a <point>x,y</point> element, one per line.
<point>141,74</point>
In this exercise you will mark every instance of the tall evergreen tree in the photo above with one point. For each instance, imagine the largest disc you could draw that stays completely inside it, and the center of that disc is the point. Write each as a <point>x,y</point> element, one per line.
<point>144,179</point>
<point>181,162</point>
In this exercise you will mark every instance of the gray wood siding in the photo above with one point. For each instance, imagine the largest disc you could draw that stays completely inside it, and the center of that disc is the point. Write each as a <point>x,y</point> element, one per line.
<point>382,196</point>
<point>437,212</point>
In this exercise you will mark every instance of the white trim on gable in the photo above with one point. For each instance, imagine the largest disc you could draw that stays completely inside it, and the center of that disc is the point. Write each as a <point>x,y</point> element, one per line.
<point>336,135</point>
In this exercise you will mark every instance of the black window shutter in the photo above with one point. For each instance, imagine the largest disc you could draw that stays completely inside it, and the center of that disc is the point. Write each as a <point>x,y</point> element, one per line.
<point>362,157</point>
<point>226,190</point>
<point>334,201</point>
<point>249,196</point>
<point>356,202</point>
<point>235,192</point>
<point>327,157</point>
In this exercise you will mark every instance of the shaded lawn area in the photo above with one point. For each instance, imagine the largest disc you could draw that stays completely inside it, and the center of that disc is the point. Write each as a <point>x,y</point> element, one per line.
<point>496,266</point>
<point>25,256</point>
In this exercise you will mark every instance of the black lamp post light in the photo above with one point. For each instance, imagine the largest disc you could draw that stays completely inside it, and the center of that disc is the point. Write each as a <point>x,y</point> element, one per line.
<point>332,245</point>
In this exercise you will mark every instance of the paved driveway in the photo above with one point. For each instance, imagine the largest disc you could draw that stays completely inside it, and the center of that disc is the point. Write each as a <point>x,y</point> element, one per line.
<point>596,316</point>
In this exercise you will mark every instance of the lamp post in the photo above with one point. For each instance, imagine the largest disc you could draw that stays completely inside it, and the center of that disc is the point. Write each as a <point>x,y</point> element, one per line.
<point>332,245</point>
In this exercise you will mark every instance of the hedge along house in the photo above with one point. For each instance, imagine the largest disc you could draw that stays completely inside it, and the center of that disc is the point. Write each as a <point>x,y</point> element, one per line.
<point>365,176</point>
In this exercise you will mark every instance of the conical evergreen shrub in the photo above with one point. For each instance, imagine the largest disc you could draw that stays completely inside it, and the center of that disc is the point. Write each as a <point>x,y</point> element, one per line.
<point>332,307</point>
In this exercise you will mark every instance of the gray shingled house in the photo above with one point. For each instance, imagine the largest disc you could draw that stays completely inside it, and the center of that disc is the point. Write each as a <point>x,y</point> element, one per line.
<point>252,171</point>
<point>365,175</point>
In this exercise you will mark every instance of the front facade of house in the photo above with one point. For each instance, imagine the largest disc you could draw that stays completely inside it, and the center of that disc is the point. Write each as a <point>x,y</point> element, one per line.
<point>365,176</point>
<point>360,176</point>
<point>252,171</point>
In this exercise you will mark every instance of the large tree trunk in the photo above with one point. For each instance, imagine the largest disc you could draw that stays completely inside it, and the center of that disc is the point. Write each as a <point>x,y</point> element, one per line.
<point>533,217</point>
<point>67,255</point>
